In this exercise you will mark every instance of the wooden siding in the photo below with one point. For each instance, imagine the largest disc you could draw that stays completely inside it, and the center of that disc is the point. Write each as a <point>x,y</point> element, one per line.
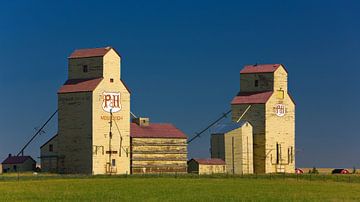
<point>158,155</point>
<point>49,159</point>
<point>28,165</point>
<point>235,148</point>
<point>201,169</point>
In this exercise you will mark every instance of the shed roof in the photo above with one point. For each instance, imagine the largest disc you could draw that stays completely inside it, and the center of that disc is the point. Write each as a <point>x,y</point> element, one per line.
<point>260,68</point>
<point>48,141</point>
<point>227,127</point>
<point>83,85</point>
<point>80,85</point>
<point>252,97</point>
<point>212,161</point>
<point>16,159</point>
<point>156,130</point>
<point>90,52</point>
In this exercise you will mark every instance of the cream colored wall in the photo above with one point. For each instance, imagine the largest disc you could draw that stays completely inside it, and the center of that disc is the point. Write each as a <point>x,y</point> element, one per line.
<point>1,169</point>
<point>95,68</point>
<point>158,155</point>
<point>256,117</point>
<point>211,169</point>
<point>239,150</point>
<point>75,132</point>
<point>112,65</point>
<point>281,79</point>
<point>280,130</point>
<point>121,130</point>
<point>247,82</point>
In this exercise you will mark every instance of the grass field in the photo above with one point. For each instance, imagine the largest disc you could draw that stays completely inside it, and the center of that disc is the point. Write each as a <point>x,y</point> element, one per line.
<point>177,188</point>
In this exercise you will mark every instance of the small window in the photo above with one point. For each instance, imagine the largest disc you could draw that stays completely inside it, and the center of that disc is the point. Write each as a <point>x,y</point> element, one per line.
<point>85,68</point>
<point>111,80</point>
<point>256,83</point>
<point>113,163</point>
<point>51,148</point>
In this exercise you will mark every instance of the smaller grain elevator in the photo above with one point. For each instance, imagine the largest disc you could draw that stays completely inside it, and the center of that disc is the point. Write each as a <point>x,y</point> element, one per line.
<point>233,143</point>
<point>264,101</point>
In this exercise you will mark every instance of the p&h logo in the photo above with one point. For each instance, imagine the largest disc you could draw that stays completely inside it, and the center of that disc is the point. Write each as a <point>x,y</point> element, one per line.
<point>111,102</point>
<point>280,110</point>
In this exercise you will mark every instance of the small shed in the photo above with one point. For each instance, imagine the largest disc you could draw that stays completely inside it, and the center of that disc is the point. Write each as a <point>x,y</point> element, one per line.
<point>18,164</point>
<point>206,166</point>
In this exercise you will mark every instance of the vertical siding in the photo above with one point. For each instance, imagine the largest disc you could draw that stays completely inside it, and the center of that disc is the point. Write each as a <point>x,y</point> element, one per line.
<point>75,132</point>
<point>256,117</point>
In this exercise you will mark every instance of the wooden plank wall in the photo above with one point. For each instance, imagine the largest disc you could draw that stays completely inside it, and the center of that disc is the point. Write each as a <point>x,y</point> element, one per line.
<point>158,155</point>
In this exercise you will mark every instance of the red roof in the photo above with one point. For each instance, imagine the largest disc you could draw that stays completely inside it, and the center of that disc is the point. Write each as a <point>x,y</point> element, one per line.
<point>79,85</point>
<point>210,161</point>
<point>156,130</point>
<point>262,68</point>
<point>16,159</point>
<point>90,52</point>
<point>252,98</point>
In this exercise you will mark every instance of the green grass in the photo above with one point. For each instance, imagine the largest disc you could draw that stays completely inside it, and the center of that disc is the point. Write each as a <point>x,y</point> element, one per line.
<point>177,188</point>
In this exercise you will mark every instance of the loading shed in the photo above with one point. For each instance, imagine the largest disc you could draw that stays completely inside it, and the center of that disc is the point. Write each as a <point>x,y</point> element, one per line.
<point>157,148</point>
<point>49,155</point>
<point>206,166</point>
<point>233,143</point>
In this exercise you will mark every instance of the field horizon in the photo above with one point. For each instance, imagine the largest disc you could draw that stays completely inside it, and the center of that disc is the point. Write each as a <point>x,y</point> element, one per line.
<point>179,187</point>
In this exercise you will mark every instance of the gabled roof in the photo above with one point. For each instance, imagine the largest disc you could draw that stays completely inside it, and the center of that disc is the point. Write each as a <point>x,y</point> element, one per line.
<point>16,159</point>
<point>212,161</point>
<point>90,52</point>
<point>252,97</point>
<point>260,68</point>
<point>80,85</point>
<point>156,130</point>
<point>227,127</point>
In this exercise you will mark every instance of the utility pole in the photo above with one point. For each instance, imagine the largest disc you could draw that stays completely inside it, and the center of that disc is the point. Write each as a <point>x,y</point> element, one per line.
<point>110,137</point>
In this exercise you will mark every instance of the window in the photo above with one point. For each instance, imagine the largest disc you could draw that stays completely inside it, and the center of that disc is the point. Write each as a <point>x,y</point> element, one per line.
<point>256,83</point>
<point>113,163</point>
<point>51,148</point>
<point>111,80</point>
<point>85,68</point>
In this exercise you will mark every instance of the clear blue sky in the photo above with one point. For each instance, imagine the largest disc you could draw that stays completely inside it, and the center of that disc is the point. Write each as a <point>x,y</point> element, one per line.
<point>181,60</point>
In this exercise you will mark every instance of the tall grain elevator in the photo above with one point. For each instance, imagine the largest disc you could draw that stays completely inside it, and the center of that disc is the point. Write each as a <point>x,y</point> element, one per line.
<point>93,117</point>
<point>265,103</point>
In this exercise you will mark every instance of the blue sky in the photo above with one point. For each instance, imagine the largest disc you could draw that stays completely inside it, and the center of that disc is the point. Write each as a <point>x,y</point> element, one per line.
<point>181,60</point>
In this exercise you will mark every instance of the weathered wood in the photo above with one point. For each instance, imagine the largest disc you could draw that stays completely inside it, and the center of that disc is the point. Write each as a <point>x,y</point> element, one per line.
<point>159,154</point>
